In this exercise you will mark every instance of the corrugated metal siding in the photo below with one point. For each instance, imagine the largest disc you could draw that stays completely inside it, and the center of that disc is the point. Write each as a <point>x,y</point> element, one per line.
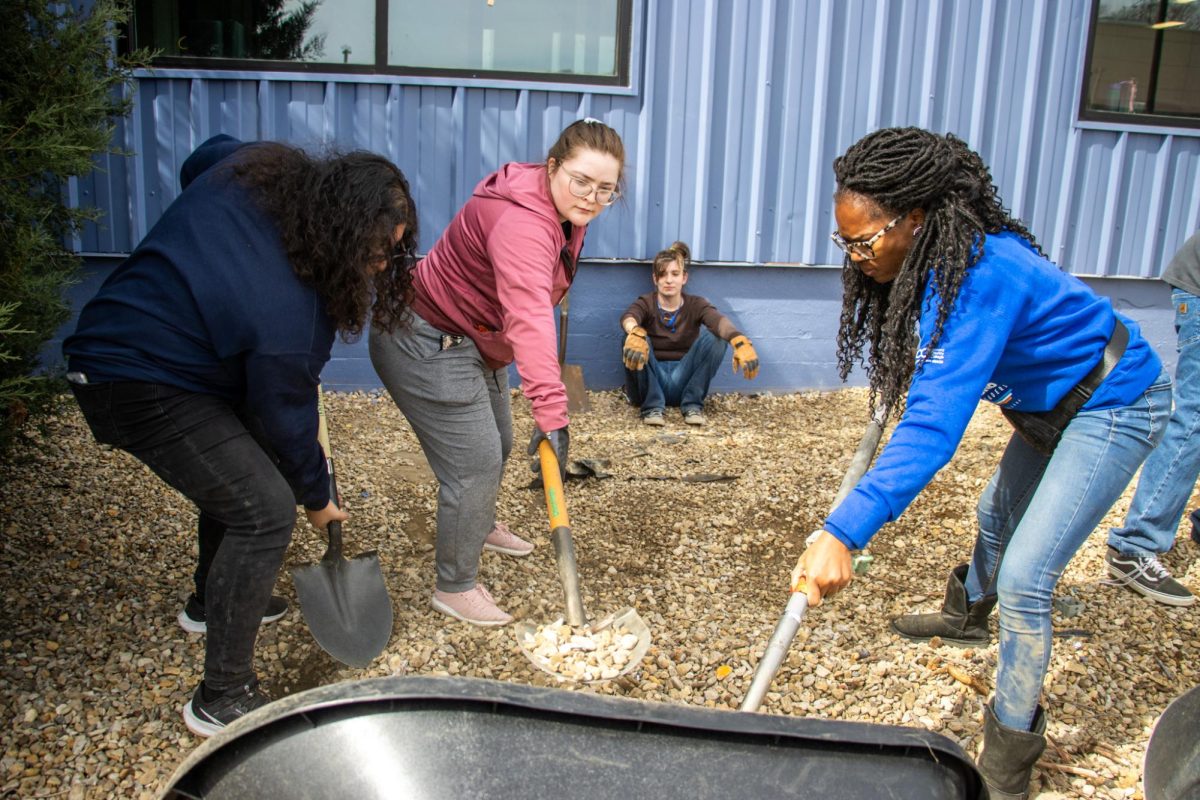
<point>739,112</point>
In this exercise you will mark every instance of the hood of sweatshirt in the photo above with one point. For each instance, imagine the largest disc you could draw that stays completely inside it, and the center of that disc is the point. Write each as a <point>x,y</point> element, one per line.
<point>523,184</point>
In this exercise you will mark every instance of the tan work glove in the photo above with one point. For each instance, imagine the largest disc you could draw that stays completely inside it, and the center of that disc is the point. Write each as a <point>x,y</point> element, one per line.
<point>744,357</point>
<point>636,350</point>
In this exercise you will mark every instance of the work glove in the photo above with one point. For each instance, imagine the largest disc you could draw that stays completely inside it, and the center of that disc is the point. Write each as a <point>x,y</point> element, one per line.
<point>636,350</point>
<point>559,440</point>
<point>744,357</point>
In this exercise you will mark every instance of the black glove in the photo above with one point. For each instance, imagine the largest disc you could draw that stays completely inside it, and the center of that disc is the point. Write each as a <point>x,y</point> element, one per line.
<point>559,440</point>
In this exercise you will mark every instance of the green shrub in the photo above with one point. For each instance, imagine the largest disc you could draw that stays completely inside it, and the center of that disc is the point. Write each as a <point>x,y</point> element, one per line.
<point>62,88</point>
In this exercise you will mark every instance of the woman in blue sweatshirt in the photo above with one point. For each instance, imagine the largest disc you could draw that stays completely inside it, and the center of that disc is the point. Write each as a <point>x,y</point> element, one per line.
<point>201,353</point>
<point>929,248</point>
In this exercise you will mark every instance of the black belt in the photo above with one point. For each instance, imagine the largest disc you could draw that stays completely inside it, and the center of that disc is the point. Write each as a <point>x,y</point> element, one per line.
<point>1043,429</point>
<point>1082,392</point>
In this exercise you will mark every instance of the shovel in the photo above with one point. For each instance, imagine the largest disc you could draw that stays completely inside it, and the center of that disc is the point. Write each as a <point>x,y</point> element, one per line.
<point>344,602</point>
<point>793,613</point>
<point>564,554</point>
<point>572,374</point>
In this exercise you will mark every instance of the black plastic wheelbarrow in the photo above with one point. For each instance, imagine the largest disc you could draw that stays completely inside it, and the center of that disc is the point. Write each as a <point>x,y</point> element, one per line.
<point>426,737</point>
<point>1172,765</point>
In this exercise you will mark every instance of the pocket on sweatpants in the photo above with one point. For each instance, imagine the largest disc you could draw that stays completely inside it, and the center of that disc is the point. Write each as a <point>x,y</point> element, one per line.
<point>418,340</point>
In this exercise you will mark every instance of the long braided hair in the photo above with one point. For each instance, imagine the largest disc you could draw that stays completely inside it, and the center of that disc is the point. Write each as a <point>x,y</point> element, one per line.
<point>894,171</point>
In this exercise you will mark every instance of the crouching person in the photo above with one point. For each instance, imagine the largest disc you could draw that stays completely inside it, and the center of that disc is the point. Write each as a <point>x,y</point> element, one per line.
<point>201,355</point>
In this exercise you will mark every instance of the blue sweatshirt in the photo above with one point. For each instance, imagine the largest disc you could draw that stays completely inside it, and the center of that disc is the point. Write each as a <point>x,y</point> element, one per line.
<point>1021,334</point>
<point>208,302</point>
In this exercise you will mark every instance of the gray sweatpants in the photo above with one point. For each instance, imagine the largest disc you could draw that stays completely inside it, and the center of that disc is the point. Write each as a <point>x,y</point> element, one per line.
<point>462,415</point>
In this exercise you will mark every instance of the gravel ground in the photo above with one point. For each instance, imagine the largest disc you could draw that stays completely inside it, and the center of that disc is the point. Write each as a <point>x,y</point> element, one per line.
<point>96,559</point>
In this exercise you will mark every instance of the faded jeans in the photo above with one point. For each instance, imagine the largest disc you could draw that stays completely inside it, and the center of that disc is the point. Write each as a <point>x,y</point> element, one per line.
<point>1035,513</point>
<point>199,445</point>
<point>682,383</point>
<point>1170,472</point>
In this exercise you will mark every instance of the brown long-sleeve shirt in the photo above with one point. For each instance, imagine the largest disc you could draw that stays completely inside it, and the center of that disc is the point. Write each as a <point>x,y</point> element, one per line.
<point>695,311</point>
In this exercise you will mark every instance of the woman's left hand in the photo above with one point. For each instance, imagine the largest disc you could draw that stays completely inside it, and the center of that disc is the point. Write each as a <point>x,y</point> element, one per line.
<point>824,566</point>
<point>321,518</point>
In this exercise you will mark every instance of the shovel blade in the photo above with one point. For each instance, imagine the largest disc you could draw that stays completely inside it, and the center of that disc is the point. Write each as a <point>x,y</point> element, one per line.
<point>577,396</point>
<point>346,606</point>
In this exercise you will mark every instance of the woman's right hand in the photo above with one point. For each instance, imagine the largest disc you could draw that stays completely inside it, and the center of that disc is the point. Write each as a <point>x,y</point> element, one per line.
<point>321,518</point>
<point>824,566</point>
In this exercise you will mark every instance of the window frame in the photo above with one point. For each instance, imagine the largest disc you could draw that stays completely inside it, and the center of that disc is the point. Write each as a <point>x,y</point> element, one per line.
<point>630,20</point>
<point>1113,120</point>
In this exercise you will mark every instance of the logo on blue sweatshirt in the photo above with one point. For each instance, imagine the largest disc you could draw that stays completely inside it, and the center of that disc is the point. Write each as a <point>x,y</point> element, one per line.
<point>997,393</point>
<point>935,356</point>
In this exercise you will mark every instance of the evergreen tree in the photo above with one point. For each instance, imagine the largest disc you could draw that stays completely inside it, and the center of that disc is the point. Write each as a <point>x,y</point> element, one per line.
<point>60,94</point>
<point>280,34</point>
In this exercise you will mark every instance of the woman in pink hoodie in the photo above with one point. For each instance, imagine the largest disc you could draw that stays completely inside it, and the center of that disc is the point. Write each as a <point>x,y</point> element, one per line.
<point>484,298</point>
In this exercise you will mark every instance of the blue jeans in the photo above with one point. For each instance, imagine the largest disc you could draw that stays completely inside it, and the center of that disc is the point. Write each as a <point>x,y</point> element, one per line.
<point>682,383</point>
<point>1035,514</point>
<point>199,445</point>
<point>1170,471</point>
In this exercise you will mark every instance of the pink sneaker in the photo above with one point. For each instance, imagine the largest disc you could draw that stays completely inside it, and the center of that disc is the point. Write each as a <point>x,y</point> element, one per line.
<point>475,606</point>
<point>502,540</point>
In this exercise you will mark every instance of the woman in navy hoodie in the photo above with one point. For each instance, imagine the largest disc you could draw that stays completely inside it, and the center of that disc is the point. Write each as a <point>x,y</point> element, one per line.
<point>200,355</point>
<point>930,248</point>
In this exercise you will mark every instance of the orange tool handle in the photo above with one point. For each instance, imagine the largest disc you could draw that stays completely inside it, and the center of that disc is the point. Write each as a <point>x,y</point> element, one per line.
<point>556,503</point>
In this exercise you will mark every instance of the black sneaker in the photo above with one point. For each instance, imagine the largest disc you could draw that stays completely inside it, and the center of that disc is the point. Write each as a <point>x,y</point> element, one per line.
<point>1195,518</point>
<point>192,618</point>
<point>205,718</point>
<point>1146,575</point>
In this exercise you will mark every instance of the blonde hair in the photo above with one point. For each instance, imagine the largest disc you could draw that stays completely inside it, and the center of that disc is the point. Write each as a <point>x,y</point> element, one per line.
<point>589,134</point>
<point>677,253</point>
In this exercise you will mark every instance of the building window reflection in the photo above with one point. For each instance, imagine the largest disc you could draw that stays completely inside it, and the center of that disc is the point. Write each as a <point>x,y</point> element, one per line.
<point>1144,61</point>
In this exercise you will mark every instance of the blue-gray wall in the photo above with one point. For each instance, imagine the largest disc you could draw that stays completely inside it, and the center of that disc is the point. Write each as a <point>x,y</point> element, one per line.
<point>735,113</point>
<point>790,313</point>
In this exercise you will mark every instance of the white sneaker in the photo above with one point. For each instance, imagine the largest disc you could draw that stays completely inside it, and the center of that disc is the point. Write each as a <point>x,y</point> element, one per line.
<point>475,606</point>
<point>502,540</point>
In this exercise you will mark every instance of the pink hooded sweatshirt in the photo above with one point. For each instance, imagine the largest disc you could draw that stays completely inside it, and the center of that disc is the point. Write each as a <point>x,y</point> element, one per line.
<point>496,274</point>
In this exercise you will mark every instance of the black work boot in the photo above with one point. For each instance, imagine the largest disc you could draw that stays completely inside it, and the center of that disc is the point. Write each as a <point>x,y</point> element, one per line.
<point>958,623</point>
<point>1009,755</point>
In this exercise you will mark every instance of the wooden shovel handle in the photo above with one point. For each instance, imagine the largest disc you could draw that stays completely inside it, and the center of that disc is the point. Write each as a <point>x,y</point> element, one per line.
<point>564,308</point>
<point>333,529</point>
<point>556,502</point>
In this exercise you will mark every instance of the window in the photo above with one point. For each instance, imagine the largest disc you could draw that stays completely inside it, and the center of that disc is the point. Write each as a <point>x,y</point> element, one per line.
<point>577,41</point>
<point>1144,62</point>
<point>545,36</point>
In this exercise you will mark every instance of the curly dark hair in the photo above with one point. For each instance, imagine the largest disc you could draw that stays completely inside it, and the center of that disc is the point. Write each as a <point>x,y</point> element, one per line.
<point>895,171</point>
<point>337,215</point>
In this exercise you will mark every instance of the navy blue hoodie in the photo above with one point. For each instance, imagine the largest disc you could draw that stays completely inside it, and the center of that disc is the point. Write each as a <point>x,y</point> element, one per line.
<point>208,302</point>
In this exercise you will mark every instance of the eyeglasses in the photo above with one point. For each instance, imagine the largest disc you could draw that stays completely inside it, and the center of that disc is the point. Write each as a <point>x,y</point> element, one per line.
<point>863,248</point>
<point>581,188</point>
